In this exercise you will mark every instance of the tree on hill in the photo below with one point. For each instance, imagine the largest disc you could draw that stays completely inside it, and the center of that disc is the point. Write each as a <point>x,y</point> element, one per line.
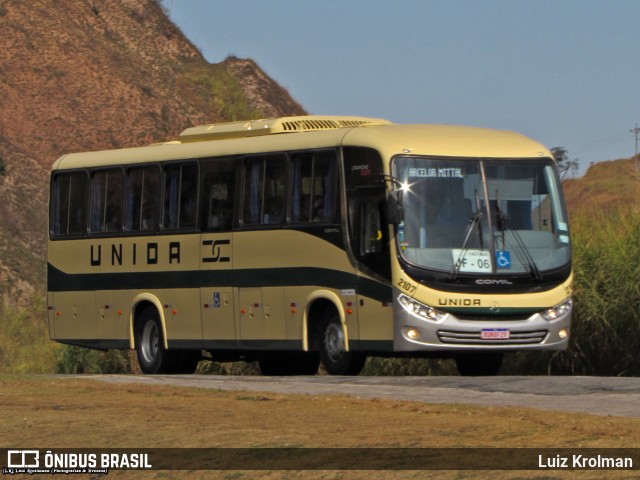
<point>565,166</point>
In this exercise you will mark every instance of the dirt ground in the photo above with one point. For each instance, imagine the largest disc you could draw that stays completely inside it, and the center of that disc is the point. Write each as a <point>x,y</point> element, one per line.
<point>44,412</point>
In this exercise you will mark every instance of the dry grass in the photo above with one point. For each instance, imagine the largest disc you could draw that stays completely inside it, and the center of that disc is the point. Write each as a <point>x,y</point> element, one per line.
<point>606,186</point>
<point>45,412</point>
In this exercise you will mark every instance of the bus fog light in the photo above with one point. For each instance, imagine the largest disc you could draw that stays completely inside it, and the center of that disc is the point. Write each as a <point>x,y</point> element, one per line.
<point>413,333</point>
<point>564,333</point>
<point>420,310</point>
<point>558,311</point>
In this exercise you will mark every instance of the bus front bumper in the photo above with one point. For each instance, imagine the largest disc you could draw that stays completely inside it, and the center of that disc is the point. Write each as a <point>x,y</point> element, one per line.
<point>544,330</point>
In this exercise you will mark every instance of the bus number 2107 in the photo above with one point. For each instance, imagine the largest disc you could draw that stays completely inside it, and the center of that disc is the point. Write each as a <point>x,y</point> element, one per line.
<point>406,286</point>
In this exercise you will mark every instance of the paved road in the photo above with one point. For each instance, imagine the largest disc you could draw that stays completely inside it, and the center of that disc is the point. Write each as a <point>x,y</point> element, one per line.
<point>595,395</point>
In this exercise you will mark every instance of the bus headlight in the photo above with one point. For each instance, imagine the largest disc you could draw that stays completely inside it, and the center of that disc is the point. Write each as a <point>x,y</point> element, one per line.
<point>420,310</point>
<point>558,311</point>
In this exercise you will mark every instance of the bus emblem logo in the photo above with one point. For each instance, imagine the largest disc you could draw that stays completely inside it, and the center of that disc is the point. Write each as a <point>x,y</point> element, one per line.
<point>216,251</point>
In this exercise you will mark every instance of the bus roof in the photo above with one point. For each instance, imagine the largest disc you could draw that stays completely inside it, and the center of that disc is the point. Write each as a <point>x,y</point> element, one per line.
<point>308,132</point>
<point>447,141</point>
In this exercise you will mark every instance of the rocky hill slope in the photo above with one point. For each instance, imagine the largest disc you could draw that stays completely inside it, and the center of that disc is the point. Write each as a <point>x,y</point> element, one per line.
<point>95,74</point>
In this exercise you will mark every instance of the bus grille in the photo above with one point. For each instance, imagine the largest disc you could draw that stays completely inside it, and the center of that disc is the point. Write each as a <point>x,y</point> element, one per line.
<point>517,317</point>
<point>473,338</point>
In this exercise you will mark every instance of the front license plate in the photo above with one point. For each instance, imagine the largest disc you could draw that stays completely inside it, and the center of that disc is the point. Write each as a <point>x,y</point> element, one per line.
<point>494,334</point>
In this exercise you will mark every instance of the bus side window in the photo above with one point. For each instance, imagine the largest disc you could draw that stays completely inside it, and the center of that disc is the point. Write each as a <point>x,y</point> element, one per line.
<point>313,197</point>
<point>106,201</point>
<point>180,196</point>
<point>69,203</point>
<point>142,199</point>
<point>265,180</point>
<point>218,187</point>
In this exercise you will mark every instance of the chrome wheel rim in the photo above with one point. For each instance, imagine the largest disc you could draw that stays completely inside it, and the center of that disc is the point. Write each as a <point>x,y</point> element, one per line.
<point>334,342</point>
<point>150,342</point>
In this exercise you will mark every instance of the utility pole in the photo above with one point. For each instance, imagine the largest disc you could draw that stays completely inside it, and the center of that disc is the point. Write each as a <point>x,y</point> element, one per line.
<point>636,160</point>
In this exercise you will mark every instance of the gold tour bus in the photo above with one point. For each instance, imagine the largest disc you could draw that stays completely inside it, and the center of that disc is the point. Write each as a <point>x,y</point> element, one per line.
<point>300,240</point>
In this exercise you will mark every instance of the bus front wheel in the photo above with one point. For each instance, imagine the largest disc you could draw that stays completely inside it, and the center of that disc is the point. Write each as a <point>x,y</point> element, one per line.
<point>333,353</point>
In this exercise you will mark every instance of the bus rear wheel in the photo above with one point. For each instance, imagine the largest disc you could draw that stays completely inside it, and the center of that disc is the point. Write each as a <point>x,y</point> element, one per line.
<point>333,352</point>
<point>479,364</point>
<point>153,358</point>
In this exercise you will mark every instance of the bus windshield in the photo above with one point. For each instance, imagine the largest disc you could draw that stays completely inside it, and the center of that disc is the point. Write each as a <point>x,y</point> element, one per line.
<point>481,216</point>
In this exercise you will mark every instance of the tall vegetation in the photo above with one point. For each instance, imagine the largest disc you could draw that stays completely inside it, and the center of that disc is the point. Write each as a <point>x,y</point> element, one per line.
<point>607,295</point>
<point>24,340</point>
<point>82,360</point>
<point>223,91</point>
<point>25,346</point>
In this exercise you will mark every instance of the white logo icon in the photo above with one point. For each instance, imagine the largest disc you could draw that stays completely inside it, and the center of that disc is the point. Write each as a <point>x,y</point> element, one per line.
<point>23,459</point>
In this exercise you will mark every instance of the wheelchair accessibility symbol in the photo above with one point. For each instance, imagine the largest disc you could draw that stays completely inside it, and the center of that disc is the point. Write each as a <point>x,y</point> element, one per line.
<point>503,259</point>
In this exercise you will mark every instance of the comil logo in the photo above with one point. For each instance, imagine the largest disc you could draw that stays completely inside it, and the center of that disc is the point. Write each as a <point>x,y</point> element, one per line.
<point>491,281</point>
<point>23,459</point>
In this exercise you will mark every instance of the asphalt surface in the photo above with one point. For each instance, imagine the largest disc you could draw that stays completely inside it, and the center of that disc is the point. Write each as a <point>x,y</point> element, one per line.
<point>594,395</point>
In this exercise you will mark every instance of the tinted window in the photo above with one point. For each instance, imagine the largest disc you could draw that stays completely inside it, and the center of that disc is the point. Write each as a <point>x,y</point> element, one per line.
<point>180,196</point>
<point>106,201</point>
<point>219,182</point>
<point>265,180</point>
<point>143,198</point>
<point>69,203</point>
<point>313,196</point>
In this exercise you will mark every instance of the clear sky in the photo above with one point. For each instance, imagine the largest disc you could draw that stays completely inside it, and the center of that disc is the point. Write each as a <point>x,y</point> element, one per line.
<point>565,72</point>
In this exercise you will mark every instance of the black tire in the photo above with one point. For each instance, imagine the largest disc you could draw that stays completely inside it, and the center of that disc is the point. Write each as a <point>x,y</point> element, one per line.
<point>153,358</point>
<point>332,348</point>
<point>289,363</point>
<point>479,364</point>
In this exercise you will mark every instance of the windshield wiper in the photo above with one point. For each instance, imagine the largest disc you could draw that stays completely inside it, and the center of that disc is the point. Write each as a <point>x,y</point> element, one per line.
<point>524,255</point>
<point>474,222</point>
